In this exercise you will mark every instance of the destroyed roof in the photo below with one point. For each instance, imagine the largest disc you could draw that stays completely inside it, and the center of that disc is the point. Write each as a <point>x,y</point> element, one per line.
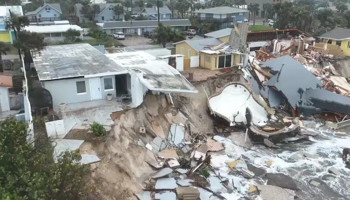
<point>200,44</point>
<point>337,34</point>
<point>155,74</point>
<point>321,100</point>
<point>73,60</point>
<point>292,78</point>
<point>220,33</point>
<point>222,10</point>
<point>144,23</point>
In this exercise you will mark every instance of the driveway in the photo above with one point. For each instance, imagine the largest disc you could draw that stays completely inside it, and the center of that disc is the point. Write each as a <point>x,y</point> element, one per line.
<point>135,41</point>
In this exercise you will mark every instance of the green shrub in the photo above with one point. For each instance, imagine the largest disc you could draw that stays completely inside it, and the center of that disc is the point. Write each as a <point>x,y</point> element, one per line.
<point>98,129</point>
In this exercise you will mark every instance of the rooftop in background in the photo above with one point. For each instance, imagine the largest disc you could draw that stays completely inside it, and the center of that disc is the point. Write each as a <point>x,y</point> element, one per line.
<point>6,81</point>
<point>73,60</point>
<point>219,33</point>
<point>337,34</point>
<point>144,23</point>
<point>55,28</point>
<point>153,10</point>
<point>202,43</point>
<point>222,10</point>
<point>55,6</point>
<point>5,10</point>
<point>155,74</point>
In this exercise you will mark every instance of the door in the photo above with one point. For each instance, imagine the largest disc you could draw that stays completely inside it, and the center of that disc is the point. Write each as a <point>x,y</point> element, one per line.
<point>95,88</point>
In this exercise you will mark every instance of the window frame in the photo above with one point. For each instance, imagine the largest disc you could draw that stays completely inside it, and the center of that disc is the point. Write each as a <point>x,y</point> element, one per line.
<point>104,84</point>
<point>76,87</point>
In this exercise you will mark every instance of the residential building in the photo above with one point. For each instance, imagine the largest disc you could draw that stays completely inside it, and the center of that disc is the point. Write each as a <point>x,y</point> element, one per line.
<point>107,13</point>
<point>261,5</point>
<point>222,34</point>
<point>5,84</point>
<point>8,35</point>
<point>47,12</point>
<point>191,48</point>
<point>225,16</point>
<point>53,32</point>
<point>139,27</point>
<point>220,57</point>
<point>79,74</point>
<point>152,13</point>
<point>339,37</point>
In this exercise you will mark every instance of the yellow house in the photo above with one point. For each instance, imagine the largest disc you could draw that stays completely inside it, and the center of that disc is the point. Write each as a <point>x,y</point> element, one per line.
<point>221,58</point>
<point>222,34</point>
<point>339,37</point>
<point>6,36</point>
<point>191,48</point>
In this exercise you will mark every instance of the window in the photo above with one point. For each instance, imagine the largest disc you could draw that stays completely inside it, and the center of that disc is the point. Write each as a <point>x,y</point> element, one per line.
<point>329,41</point>
<point>81,89</point>
<point>113,17</point>
<point>103,18</point>
<point>225,61</point>
<point>348,44</point>
<point>39,15</point>
<point>338,43</point>
<point>108,83</point>
<point>55,15</point>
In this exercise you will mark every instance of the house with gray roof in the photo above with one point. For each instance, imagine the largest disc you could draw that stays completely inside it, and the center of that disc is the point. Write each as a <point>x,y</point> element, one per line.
<point>152,13</point>
<point>340,37</point>
<point>106,13</point>
<point>47,12</point>
<point>139,27</point>
<point>224,15</point>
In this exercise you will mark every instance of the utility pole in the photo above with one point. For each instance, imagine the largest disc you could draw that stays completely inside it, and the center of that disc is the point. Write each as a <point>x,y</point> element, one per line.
<point>158,13</point>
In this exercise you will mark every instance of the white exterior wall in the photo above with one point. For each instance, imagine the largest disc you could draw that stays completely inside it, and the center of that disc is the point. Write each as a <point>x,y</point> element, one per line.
<point>180,63</point>
<point>216,16</point>
<point>48,13</point>
<point>4,99</point>
<point>138,90</point>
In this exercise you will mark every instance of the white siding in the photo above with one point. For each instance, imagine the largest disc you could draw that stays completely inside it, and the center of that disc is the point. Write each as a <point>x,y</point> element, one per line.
<point>4,99</point>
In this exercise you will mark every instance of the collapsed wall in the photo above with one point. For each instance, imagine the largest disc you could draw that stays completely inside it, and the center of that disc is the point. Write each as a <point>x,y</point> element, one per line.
<point>124,158</point>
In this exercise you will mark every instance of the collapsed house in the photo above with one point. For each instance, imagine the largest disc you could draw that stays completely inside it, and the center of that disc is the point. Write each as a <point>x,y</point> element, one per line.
<point>77,73</point>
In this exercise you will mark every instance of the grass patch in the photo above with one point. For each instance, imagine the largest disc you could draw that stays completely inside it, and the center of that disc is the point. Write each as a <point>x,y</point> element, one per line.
<point>260,28</point>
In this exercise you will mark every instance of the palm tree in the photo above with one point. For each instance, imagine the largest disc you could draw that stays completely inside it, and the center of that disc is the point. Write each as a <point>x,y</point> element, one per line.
<point>254,9</point>
<point>4,48</point>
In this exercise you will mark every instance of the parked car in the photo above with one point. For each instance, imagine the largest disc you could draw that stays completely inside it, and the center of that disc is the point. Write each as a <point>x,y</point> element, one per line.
<point>191,32</point>
<point>119,36</point>
<point>271,22</point>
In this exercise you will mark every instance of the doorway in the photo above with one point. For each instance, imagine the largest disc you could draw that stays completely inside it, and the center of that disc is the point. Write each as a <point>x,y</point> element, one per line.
<point>122,85</point>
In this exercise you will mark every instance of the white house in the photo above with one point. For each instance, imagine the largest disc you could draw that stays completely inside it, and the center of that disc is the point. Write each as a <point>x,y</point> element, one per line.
<point>5,84</point>
<point>53,32</point>
<point>47,12</point>
<point>77,73</point>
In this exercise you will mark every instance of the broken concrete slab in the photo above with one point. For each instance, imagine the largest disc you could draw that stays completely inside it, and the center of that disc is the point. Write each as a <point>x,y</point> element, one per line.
<point>237,165</point>
<point>246,173</point>
<point>168,154</point>
<point>256,170</point>
<point>176,134</point>
<point>89,159</point>
<point>182,171</point>
<point>165,184</point>
<point>187,193</point>
<point>200,153</point>
<point>184,182</point>
<point>179,118</point>
<point>215,184</point>
<point>326,190</point>
<point>163,172</point>
<point>334,171</point>
<point>62,145</point>
<point>156,145</point>
<point>167,195</point>
<point>145,195</point>
<point>158,130</point>
<point>281,180</point>
<point>214,146</point>
<point>173,163</point>
<point>275,193</point>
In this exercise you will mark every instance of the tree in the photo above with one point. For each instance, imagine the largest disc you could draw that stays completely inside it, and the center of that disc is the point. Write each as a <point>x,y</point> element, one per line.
<point>341,6</point>
<point>71,35</point>
<point>12,2</point>
<point>172,6</point>
<point>165,34</point>
<point>118,10</point>
<point>254,9</point>
<point>4,48</point>
<point>182,6</point>
<point>268,11</point>
<point>29,172</point>
<point>90,11</point>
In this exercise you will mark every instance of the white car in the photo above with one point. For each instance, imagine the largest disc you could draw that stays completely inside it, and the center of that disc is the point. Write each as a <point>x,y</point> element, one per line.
<point>119,36</point>
<point>270,22</point>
